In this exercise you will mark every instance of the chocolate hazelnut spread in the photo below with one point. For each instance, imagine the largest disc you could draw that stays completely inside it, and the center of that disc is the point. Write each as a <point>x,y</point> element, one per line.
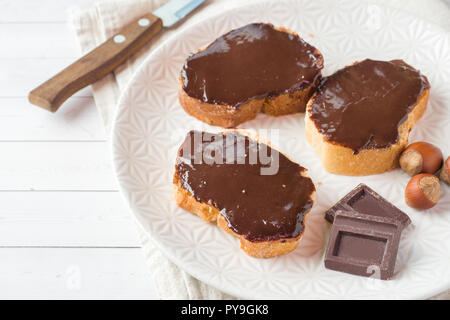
<point>251,62</point>
<point>260,207</point>
<point>361,106</point>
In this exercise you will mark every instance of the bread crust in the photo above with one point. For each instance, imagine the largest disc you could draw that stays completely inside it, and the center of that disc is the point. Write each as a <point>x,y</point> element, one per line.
<point>339,159</point>
<point>228,116</point>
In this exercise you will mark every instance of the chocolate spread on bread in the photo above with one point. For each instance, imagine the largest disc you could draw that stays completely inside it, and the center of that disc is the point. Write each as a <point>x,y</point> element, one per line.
<point>251,62</point>
<point>260,207</point>
<point>361,106</point>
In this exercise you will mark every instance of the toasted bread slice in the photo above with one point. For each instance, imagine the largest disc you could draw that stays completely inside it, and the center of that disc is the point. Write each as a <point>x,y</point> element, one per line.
<point>210,213</point>
<point>340,159</point>
<point>273,101</point>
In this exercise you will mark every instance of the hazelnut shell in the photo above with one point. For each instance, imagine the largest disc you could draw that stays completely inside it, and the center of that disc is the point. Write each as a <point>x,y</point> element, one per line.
<point>445,171</point>
<point>421,157</point>
<point>422,191</point>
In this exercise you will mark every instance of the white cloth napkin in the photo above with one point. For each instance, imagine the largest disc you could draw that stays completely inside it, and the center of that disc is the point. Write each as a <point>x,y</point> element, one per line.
<point>93,26</point>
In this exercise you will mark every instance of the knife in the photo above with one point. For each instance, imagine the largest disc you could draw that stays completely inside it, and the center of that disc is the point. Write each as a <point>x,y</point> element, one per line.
<point>108,56</point>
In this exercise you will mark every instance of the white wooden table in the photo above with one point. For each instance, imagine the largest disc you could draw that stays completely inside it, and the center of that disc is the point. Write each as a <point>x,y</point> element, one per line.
<point>64,230</point>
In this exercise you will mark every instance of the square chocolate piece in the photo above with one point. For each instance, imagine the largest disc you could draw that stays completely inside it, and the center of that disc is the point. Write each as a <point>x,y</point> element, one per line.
<point>364,245</point>
<point>364,200</point>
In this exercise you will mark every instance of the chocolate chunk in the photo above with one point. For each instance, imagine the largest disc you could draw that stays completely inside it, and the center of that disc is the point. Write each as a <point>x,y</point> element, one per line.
<point>258,206</point>
<point>362,105</point>
<point>364,200</point>
<point>251,62</point>
<point>364,245</point>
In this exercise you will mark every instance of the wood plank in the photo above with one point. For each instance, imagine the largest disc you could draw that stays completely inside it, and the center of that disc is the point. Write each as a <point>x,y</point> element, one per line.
<point>19,76</point>
<point>53,273</point>
<point>38,11</point>
<point>77,119</point>
<point>56,166</point>
<point>58,219</point>
<point>52,40</point>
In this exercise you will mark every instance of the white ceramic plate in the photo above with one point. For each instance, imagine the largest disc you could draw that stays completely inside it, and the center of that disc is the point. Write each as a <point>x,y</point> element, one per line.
<point>150,125</point>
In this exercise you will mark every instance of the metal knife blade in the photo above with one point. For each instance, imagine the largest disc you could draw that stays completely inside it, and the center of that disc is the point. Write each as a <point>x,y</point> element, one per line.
<point>175,10</point>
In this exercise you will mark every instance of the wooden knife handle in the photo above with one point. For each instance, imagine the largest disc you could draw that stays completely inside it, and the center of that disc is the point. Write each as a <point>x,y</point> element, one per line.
<point>96,64</point>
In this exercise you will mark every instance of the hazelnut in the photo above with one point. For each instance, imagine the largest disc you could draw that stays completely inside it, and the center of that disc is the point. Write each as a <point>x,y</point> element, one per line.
<point>422,191</point>
<point>421,157</point>
<point>445,171</point>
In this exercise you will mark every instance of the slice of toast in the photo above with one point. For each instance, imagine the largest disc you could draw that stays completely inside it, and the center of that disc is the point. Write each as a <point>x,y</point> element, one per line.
<point>215,210</point>
<point>339,158</point>
<point>224,93</point>
<point>208,213</point>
